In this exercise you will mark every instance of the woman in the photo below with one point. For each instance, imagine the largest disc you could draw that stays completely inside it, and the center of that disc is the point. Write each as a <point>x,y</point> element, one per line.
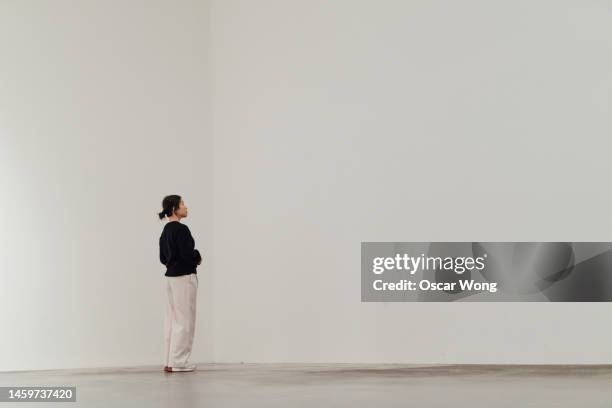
<point>177,252</point>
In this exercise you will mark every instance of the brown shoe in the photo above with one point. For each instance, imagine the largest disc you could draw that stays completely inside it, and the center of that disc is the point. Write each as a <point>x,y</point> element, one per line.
<point>167,369</point>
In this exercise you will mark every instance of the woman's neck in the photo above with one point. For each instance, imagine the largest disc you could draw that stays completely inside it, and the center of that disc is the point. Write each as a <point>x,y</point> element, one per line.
<point>174,218</point>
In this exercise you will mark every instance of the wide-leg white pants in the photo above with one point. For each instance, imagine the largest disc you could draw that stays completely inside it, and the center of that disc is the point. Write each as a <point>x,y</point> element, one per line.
<point>181,296</point>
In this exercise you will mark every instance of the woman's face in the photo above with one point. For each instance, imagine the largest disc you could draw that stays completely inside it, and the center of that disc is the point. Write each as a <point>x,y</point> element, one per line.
<point>182,210</point>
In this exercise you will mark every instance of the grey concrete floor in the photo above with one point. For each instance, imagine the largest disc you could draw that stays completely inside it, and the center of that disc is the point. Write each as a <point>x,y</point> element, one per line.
<point>329,385</point>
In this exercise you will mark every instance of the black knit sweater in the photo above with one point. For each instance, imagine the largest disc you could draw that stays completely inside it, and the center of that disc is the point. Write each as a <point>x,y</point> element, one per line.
<point>176,250</point>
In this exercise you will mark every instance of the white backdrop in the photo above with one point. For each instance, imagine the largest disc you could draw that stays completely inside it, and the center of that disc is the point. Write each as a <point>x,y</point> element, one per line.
<point>295,130</point>
<point>104,109</point>
<point>337,122</point>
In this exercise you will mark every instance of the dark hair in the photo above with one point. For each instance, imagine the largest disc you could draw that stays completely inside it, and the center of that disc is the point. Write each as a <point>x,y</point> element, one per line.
<point>169,204</point>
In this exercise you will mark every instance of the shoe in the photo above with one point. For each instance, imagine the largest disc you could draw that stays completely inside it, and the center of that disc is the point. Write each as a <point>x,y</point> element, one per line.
<point>167,369</point>
<point>189,367</point>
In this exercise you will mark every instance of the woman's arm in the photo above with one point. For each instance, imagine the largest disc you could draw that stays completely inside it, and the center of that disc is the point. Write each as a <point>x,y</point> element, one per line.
<point>197,256</point>
<point>186,247</point>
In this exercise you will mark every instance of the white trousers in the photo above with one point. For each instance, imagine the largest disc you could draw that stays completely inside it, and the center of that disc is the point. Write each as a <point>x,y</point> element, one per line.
<point>181,294</point>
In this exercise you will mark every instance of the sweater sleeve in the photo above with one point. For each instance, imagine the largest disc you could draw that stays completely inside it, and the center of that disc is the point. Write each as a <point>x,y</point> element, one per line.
<point>186,245</point>
<point>198,256</point>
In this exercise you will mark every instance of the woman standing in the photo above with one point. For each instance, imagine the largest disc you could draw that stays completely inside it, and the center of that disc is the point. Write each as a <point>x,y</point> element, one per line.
<point>177,252</point>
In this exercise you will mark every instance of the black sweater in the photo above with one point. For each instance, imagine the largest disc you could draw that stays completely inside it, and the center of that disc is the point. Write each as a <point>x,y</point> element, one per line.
<point>176,250</point>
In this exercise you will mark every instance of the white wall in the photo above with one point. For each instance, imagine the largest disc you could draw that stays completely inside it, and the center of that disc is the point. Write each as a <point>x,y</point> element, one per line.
<point>337,122</point>
<point>334,122</point>
<point>104,109</point>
